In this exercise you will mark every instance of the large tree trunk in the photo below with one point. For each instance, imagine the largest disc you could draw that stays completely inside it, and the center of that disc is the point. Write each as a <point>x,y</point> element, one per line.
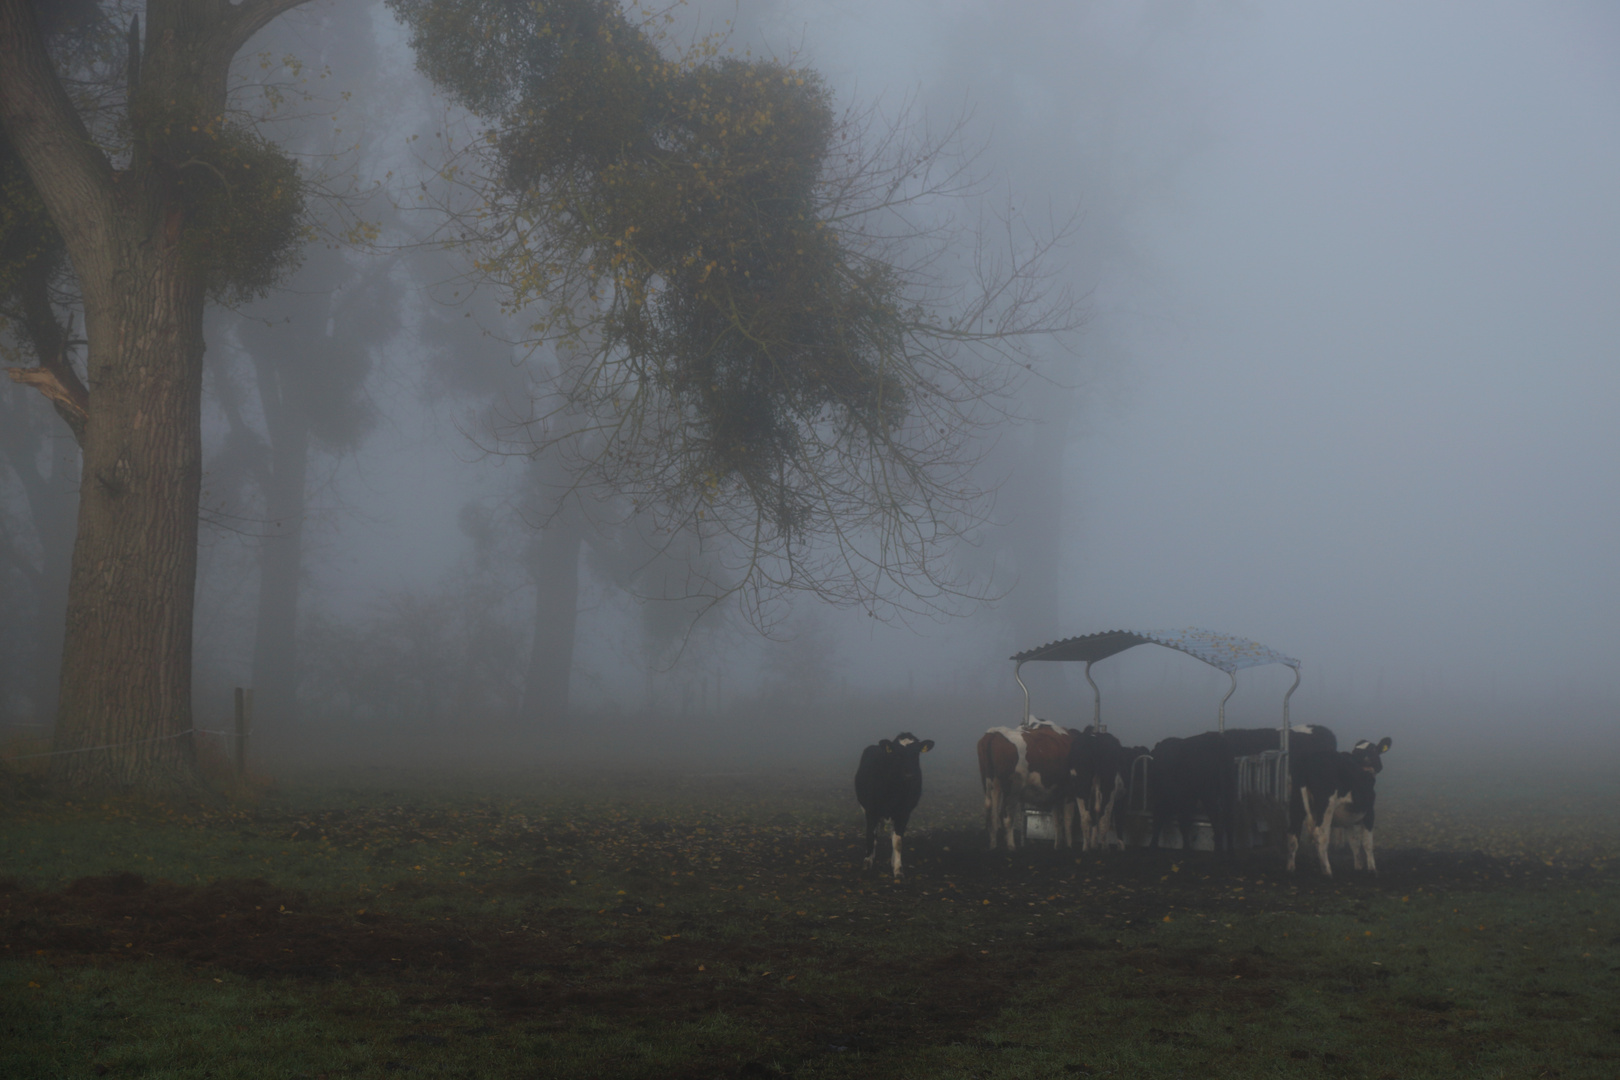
<point>554,565</point>
<point>125,710</point>
<point>126,666</point>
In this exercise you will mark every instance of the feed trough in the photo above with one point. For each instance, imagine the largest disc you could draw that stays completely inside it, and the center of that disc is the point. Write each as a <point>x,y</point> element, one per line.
<point>1262,776</point>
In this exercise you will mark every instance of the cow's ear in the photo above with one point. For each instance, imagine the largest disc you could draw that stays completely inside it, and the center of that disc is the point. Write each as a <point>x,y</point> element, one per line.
<point>925,746</point>
<point>1384,745</point>
<point>888,747</point>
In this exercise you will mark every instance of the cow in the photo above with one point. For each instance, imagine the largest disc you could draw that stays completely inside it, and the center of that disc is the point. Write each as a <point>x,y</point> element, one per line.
<point>1096,766</point>
<point>1186,774</point>
<point>1028,764</point>
<point>1254,807</point>
<point>1336,789</point>
<point>1302,739</point>
<point>888,784</point>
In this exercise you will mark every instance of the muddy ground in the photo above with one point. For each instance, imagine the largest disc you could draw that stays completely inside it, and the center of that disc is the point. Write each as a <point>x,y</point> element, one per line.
<point>676,944</point>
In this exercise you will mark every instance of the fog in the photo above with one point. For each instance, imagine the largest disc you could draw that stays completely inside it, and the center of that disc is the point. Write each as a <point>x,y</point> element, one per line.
<point>1346,387</point>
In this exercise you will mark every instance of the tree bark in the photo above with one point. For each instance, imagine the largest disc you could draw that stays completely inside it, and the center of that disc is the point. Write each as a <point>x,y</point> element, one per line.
<point>125,712</point>
<point>126,670</point>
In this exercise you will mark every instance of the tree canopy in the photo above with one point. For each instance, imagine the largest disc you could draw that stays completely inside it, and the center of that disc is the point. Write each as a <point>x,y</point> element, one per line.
<point>760,331</point>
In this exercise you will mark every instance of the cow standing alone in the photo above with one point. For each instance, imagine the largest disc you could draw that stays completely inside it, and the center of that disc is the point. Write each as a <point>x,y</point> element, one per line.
<point>888,784</point>
<point>1337,789</point>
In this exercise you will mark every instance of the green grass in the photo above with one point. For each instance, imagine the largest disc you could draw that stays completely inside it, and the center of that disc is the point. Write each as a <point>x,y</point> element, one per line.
<point>661,926</point>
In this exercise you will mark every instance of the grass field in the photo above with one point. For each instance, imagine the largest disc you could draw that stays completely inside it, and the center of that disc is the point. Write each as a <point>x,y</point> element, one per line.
<point>683,925</point>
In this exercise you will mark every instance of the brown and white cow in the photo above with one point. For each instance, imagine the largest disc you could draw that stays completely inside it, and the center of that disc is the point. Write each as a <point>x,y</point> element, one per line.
<point>1023,766</point>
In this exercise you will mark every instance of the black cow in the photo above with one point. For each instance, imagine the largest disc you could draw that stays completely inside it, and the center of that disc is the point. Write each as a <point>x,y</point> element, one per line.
<point>1253,808</point>
<point>888,785</point>
<point>1186,774</point>
<point>1096,765</point>
<point>1302,739</point>
<point>1336,789</point>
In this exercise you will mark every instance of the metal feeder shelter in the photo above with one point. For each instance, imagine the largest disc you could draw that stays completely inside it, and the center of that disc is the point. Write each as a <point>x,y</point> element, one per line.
<point>1264,774</point>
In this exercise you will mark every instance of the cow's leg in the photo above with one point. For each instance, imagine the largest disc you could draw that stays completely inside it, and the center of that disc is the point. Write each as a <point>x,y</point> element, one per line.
<point>1094,815</point>
<point>1307,827</point>
<point>1366,839</point>
<point>1324,833</point>
<point>992,810</point>
<point>872,821</point>
<point>894,859</point>
<point>998,823</point>
<point>1105,828</point>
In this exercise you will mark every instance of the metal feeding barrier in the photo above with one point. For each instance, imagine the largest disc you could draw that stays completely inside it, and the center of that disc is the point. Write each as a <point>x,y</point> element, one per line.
<point>1263,776</point>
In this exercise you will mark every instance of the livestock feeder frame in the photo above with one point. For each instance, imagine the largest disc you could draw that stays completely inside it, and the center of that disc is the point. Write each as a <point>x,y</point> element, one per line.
<point>1263,777</point>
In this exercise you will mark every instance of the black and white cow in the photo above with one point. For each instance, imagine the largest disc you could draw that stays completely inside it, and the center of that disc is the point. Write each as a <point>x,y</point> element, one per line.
<point>1266,806</point>
<point>1303,739</point>
<point>1336,790</point>
<point>888,785</point>
<point>1096,781</point>
<point>1186,774</point>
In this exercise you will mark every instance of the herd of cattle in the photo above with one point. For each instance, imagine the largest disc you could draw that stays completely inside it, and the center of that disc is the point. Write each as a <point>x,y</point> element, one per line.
<point>1088,779</point>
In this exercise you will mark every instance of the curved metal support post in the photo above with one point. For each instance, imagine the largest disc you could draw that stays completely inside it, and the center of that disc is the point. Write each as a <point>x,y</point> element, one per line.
<point>1286,696</point>
<point>1019,679</point>
<point>1096,702</point>
<point>1220,721</point>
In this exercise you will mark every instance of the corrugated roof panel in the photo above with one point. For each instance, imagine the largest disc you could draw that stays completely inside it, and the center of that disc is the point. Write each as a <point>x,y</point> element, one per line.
<point>1225,651</point>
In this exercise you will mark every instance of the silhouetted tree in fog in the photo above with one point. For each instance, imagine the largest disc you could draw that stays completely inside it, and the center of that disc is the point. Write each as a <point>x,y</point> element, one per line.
<point>309,350</point>
<point>162,198</point>
<point>36,540</point>
<point>770,333</point>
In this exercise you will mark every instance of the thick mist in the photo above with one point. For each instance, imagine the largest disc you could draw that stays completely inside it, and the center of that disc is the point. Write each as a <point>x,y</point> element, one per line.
<point>1346,386</point>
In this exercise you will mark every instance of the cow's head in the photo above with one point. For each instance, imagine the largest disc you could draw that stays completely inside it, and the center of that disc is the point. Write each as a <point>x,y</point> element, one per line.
<point>904,740</point>
<point>1370,756</point>
<point>905,749</point>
